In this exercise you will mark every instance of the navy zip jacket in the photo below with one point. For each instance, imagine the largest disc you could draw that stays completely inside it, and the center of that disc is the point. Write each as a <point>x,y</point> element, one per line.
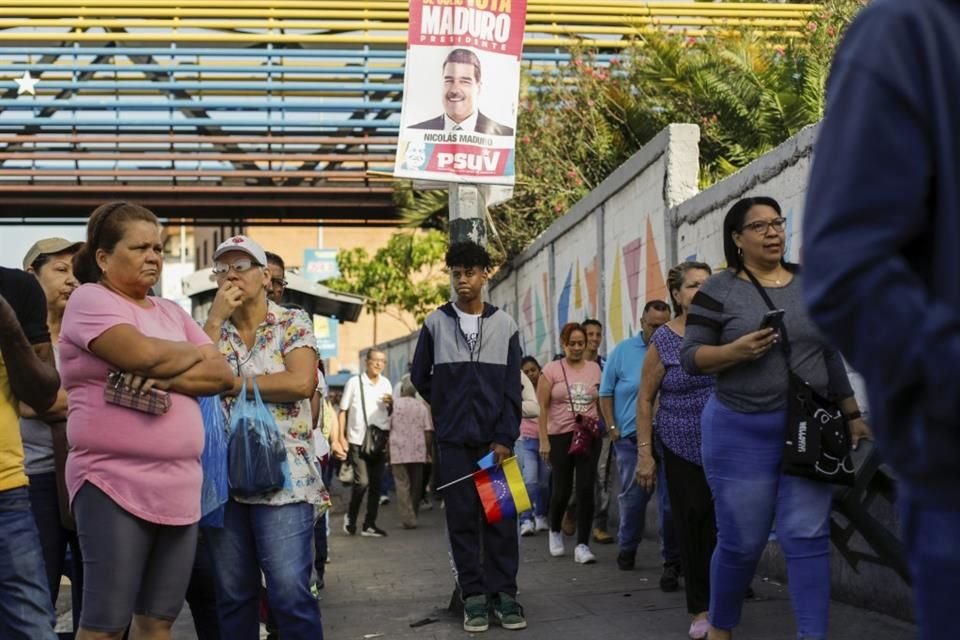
<point>882,232</point>
<point>474,396</point>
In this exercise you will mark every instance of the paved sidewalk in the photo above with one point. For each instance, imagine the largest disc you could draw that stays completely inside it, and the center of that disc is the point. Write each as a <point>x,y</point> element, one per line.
<point>379,586</point>
<point>375,588</point>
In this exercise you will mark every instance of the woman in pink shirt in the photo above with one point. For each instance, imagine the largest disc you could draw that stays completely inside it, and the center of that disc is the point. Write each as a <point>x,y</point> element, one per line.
<point>133,477</point>
<point>568,391</point>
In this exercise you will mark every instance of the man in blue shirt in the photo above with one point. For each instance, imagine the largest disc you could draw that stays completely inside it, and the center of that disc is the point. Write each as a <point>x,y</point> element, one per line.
<point>881,231</point>
<point>618,404</point>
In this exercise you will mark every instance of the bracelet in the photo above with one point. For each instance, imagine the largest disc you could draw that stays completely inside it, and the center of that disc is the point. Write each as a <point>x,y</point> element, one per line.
<point>643,444</point>
<point>612,427</point>
<point>853,416</point>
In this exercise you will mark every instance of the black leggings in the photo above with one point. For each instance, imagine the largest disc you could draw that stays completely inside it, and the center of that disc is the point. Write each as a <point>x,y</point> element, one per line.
<point>561,483</point>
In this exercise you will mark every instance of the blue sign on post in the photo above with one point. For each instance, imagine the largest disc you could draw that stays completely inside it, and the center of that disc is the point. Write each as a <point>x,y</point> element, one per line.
<point>326,330</point>
<point>320,264</point>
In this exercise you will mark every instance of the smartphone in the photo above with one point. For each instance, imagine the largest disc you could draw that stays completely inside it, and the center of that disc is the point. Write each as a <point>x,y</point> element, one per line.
<point>771,319</point>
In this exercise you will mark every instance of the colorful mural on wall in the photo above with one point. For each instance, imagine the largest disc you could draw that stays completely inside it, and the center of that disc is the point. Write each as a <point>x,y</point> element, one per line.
<point>627,296</point>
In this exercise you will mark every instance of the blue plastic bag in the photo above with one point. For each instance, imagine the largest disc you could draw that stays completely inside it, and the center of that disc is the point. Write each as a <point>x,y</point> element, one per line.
<point>216,489</point>
<point>256,456</point>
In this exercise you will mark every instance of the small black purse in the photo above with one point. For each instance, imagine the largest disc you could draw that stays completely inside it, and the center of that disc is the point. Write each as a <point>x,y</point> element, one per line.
<point>817,441</point>
<point>375,439</point>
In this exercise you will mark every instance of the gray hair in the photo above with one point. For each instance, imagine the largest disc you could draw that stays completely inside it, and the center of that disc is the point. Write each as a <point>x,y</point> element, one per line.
<point>407,390</point>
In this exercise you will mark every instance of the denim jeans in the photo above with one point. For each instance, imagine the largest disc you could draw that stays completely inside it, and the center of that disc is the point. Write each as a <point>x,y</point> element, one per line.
<point>930,539</point>
<point>669,544</point>
<point>632,499</point>
<point>277,540</point>
<point>536,477</point>
<point>55,540</point>
<point>741,457</point>
<point>26,612</point>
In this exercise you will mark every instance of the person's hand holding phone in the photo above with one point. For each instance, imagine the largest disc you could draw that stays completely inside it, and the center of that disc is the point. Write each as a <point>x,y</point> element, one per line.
<point>753,345</point>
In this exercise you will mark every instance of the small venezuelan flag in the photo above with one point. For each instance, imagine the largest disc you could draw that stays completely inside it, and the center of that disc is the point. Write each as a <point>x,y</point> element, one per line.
<point>502,491</point>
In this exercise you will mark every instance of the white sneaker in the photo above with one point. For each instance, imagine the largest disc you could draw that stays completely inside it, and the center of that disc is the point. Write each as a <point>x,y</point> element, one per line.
<point>541,522</point>
<point>556,544</point>
<point>583,555</point>
<point>527,528</point>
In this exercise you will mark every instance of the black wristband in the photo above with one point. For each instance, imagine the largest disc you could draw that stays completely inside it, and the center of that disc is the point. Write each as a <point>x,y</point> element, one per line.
<point>853,416</point>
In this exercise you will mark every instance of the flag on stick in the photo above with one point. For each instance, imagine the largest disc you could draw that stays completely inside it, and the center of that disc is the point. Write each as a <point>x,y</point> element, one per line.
<point>502,491</point>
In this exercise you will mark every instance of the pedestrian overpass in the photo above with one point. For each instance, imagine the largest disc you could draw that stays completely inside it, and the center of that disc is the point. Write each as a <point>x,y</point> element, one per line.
<point>214,111</point>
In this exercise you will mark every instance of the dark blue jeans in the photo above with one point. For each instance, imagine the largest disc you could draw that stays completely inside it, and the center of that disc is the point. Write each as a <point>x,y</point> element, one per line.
<point>930,537</point>
<point>742,453</point>
<point>55,540</point>
<point>277,540</point>
<point>536,477</point>
<point>26,612</point>
<point>633,499</point>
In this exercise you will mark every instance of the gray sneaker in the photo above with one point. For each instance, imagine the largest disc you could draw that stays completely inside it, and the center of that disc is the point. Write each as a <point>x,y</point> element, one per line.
<point>508,612</point>
<point>475,617</point>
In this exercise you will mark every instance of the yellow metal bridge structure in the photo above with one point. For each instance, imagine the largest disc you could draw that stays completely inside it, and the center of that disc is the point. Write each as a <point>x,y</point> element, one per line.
<point>221,110</point>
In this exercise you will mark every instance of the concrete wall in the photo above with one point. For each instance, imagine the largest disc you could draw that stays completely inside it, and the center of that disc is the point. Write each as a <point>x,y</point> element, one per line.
<point>609,255</point>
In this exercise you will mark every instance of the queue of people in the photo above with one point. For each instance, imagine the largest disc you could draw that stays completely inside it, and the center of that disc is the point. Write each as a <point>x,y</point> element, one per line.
<point>693,408</point>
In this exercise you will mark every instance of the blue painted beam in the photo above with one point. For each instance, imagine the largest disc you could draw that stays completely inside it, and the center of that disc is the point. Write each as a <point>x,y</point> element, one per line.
<point>167,122</point>
<point>124,103</point>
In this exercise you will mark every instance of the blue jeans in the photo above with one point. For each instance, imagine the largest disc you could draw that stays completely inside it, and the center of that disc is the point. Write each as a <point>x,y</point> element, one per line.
<point>669,545</point>
<point>741,457</point>
<point>536,477</point>
<point>55,541</point>
<point>279,541</point>
<point>930,538</point>
<point>26,612</point>
<point>632,499</point>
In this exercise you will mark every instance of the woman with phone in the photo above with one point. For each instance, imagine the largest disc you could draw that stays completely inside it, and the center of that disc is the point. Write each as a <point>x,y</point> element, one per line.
<point>680,398</point>
<point>744,421</point>
<point>568,390</point>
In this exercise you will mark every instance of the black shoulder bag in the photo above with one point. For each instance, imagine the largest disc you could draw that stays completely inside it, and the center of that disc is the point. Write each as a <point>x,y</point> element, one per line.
<point>375,439</point>
<point>817,441</point>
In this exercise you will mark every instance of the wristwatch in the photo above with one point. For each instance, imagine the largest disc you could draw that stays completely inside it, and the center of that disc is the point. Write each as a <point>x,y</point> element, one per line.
<point>853,416</point>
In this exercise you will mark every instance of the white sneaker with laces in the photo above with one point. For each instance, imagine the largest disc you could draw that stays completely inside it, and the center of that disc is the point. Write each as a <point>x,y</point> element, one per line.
<point>541,522</point>
<point>556,544</point>
<point>583,555</point>
<point>527,528</point>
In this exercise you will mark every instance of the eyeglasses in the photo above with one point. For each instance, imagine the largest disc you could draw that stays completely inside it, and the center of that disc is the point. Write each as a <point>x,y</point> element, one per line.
<point>278,282</point>
<point>761,227</point>
<point>240,266</point>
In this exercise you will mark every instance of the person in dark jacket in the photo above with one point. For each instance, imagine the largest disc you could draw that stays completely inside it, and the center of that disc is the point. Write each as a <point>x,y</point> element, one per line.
<point>881,232</point>
<point>467,367</point>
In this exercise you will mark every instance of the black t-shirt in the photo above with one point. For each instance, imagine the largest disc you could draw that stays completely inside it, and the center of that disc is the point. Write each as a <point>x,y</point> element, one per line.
<point>24,294</point>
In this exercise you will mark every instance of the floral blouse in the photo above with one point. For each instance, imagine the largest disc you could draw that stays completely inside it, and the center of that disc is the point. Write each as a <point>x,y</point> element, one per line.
<point>283,331</point>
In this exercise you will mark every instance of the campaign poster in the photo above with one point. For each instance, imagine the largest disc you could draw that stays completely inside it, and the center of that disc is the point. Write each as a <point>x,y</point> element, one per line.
<point>461,87</point>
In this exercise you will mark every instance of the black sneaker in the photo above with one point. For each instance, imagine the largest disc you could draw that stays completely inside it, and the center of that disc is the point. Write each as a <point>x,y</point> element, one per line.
<point>626,560</point>
<point>670,579</point>
<point>372,531</point>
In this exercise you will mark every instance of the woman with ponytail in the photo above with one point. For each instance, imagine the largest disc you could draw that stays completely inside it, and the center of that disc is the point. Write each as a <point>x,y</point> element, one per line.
<point>133,477</point>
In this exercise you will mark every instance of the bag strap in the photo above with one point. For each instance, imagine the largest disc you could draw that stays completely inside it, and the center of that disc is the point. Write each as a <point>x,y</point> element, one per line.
<point>785,341</point>
<point>363,401</point>
<point>567,382</point>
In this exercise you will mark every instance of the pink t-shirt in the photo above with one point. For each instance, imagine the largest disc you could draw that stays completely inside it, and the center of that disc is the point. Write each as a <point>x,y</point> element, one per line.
<point>149,465</point>
<point>584,390</point>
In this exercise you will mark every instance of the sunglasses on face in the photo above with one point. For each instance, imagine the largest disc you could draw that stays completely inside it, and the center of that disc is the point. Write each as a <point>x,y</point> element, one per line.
<point>278,282</point>
<point>240,266</point>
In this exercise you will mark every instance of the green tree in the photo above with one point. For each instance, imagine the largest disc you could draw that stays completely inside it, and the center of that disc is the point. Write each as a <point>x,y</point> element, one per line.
<point>403,277</point>
<point>747,90</point>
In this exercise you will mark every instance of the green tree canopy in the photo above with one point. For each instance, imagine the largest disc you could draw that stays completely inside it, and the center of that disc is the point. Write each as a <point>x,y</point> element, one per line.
<point>403,276</point>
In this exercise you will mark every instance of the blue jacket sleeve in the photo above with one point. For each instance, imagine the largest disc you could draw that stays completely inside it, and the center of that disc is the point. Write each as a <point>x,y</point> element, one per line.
<point>508,429</point>
<point>421,369</point>
<point>868,209</point>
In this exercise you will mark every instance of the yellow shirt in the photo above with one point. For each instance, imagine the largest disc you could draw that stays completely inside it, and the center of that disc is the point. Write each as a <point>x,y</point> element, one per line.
<point>11,447</point>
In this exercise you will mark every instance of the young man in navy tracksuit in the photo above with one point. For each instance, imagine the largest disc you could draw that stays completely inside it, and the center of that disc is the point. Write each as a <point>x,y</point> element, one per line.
<point>467,367</point>
<point>881,235</point>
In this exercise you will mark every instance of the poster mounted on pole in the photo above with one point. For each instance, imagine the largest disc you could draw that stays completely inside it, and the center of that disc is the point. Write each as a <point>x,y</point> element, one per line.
<point>460,91</point>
